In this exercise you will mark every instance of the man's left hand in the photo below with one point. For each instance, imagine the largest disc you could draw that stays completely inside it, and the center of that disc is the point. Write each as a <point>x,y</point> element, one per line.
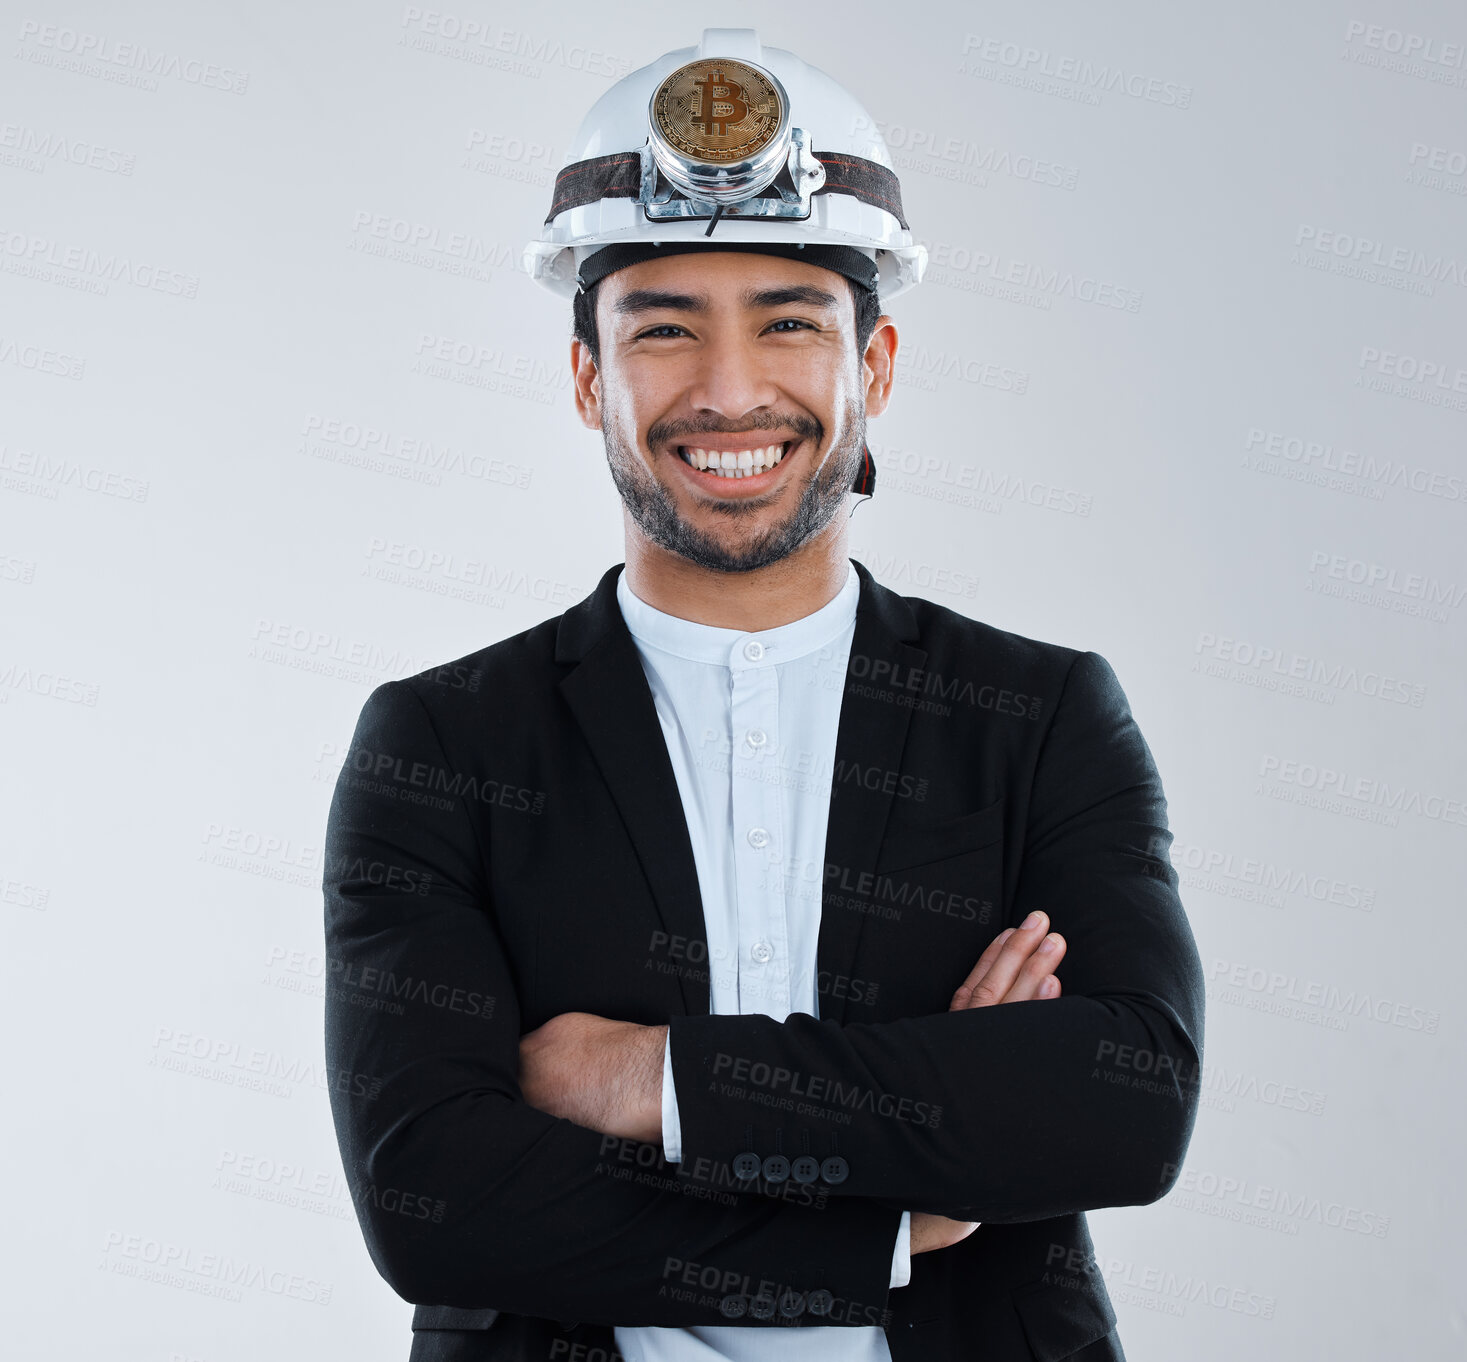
<point>598,1073</point>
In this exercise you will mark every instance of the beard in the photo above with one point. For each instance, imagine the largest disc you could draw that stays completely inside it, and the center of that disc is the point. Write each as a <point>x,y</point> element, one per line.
<point>823,495</point>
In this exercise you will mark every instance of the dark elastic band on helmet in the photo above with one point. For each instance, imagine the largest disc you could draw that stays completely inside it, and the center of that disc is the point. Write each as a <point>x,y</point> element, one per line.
<point>846,260</point>
<point>619,176</point>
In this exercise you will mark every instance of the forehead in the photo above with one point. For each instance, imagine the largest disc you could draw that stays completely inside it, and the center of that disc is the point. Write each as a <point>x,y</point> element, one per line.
<point>726,279</point>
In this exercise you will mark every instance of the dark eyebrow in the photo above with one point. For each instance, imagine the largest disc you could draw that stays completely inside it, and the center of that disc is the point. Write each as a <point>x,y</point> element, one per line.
<point>651,299</point>
<point>788,293</point>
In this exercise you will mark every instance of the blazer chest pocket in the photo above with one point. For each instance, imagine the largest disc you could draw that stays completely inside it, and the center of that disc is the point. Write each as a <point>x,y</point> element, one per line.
<point>914,844</point>
<point>931,908</point>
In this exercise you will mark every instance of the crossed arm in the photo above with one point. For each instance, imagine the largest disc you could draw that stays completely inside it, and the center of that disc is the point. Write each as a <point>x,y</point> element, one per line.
<point>608,1075</point>
<point>1043,1111</point>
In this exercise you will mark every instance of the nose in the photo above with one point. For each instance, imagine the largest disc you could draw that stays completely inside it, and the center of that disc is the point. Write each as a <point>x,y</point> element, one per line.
<point>733,379</point>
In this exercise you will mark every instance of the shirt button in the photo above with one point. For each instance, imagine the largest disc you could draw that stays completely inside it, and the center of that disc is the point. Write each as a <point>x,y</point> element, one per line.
<point>753,650</point>
<point>758,837</point>
<point>756,737</point>
<point>762,951</point>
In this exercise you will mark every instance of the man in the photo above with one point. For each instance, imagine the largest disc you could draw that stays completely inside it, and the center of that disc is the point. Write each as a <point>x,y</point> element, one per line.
<point>692,972</point>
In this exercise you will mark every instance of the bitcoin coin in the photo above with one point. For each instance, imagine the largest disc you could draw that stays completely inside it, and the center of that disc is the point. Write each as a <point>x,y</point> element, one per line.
<point>718,111</point>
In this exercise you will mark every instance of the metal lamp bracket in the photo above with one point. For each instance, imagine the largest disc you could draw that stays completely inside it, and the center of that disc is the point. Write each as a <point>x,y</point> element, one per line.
<point>801,175</point>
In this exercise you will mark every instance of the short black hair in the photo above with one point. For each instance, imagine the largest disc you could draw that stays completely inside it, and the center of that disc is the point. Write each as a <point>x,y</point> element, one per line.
<point>866,301</point>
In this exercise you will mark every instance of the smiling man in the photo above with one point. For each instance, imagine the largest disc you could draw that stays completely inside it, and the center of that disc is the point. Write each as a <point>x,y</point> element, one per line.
<point>691,966</point>
<point>734,419</point>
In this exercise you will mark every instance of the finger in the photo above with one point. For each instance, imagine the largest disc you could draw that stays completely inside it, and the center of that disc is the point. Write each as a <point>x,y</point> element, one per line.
<point>1036,969</point>
<point>960,998</point>
<point>993,988</point>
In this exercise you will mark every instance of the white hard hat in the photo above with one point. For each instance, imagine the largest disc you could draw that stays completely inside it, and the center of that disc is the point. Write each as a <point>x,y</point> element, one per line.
<point>728,144</point>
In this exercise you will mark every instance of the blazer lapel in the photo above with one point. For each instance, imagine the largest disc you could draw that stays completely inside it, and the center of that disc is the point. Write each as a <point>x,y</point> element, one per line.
<point>611,700</point>
<point>608,694</point>
<point>874,715</point>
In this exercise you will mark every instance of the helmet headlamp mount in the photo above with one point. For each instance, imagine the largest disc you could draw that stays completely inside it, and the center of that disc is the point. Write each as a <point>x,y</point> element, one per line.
<point>719,136</point>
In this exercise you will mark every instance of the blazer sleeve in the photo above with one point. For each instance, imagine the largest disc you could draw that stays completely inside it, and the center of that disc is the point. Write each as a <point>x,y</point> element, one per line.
<point>1018,1111</point>
<point>465,1194</point>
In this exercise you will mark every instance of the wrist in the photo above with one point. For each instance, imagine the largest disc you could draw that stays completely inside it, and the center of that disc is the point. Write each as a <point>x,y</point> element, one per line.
<point>649,1044</point>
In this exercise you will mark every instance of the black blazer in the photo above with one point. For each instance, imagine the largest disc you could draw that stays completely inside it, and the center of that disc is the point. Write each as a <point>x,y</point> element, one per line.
<point>506,842</point>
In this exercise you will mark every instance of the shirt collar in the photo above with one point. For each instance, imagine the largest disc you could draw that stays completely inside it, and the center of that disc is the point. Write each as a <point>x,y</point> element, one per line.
<point>697,642</point>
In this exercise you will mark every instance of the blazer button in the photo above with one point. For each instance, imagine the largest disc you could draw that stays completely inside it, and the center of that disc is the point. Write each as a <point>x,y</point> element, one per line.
<point>776,1168</point>
<point>746,1167</point>
<point>806,1168</point>
<point>819,1302</point>
<point>733,1306</point>
<point>834,1169</point>
<point>791,1303</point>
<point>762,1307</point>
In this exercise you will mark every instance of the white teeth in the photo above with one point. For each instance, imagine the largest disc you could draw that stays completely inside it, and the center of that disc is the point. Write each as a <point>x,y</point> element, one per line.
<point>730,463</point>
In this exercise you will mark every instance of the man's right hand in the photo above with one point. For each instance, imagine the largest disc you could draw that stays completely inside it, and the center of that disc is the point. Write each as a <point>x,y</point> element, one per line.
<point>1013,969</point>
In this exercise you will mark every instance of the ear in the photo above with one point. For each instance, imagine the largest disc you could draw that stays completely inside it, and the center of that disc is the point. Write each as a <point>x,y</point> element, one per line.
<point>587,387</point>
<point>878,365</point>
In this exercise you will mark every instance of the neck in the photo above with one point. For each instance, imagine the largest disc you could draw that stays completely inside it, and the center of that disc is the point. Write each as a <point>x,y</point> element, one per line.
<point>764,598</point>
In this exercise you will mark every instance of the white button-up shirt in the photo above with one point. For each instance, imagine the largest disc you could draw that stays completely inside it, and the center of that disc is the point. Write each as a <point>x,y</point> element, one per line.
<point>750,721</point>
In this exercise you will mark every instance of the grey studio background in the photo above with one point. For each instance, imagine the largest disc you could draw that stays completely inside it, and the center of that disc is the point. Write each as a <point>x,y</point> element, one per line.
<point>281,418</point>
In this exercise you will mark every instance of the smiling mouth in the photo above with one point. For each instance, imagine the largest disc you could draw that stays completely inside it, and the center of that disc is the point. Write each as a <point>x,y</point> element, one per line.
<point>745,463</point>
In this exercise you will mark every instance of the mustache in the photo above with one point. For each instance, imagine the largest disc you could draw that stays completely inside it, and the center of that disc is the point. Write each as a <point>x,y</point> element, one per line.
<point>662,432</point>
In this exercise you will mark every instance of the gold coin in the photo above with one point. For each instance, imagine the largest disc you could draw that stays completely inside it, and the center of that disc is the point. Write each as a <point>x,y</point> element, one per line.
<point>717,110</point>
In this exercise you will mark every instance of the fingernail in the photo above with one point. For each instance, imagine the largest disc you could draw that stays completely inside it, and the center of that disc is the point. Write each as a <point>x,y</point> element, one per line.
<point>1034,919</point>
<point>1051,942</point>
